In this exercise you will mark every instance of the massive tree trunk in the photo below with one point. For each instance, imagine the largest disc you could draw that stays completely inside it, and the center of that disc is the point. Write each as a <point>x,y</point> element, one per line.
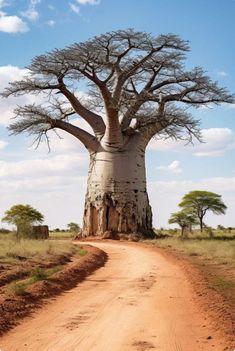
<point>117,198</point>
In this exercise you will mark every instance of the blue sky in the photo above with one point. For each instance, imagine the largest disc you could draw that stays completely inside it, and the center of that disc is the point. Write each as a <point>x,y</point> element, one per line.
<point>55,183</point>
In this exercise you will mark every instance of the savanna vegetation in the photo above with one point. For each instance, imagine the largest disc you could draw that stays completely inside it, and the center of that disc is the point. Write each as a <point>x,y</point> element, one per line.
<point>24,259</point>
<point>210,250</point>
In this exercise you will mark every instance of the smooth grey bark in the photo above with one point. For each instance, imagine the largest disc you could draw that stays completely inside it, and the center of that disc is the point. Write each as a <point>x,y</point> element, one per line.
<point>116,197</point>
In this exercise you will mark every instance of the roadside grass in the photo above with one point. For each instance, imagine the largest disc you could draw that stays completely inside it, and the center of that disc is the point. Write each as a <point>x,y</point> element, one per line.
<point>38,274</point>
<point>221,284</point>
<point>220,251</point>
<point>12,251</point>
<point>196,234</point>
<point>214,256</point>
<point>61,235</point>
<point>17,288</point>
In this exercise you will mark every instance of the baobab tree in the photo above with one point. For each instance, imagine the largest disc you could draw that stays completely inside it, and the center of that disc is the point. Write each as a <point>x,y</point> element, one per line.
<point>137,87</point>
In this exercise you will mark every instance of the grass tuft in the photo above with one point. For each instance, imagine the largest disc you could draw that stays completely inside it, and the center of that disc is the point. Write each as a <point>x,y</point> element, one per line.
<point>16,289</point>
<point>82,252</point>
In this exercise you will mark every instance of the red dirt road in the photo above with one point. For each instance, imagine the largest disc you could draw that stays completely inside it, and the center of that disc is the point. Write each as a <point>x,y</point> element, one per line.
<point>139,300</point>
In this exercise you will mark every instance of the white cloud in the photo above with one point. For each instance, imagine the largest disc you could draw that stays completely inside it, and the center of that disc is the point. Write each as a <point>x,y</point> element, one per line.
<point>39,168</point>
<point>166,195</point>
<point>12,24</point>
<point>173,167</point>
<point>88,2</point>
<point>54,184</point>
<point>222,73</point>
<point>216,142</point>
<point>10,74</point>
<point>31,13</point>
<point>74,8</point>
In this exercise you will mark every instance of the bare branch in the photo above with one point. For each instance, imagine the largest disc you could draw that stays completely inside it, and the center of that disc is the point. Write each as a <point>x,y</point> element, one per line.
<point>36,120</point>
<point>173,123</point>
<point>131,76</point>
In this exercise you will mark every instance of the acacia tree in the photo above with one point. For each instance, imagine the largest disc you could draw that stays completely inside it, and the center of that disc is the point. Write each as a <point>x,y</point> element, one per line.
<point>73,227</point>
<point>199,202</point>
<point>23,217</point>
<point>184,219</point>
<point>138,88</point>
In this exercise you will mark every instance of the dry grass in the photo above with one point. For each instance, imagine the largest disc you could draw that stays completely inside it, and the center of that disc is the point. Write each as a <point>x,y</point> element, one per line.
<point>214,257</point>
<point>40,258</point>
<point>220,251</point>
<point>12,251</point>
<point>61,235</point>
<point>19,287</point>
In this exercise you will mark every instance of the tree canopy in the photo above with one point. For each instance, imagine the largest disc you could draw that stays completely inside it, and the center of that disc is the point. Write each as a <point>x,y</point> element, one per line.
<point>137,80</point>
<point>73,227</point>
<point>199,202</point>
<point>22,216</point>
<point>184,219</point>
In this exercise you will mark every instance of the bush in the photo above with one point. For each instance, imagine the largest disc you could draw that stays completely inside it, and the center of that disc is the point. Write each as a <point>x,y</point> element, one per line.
<point>39,274</point>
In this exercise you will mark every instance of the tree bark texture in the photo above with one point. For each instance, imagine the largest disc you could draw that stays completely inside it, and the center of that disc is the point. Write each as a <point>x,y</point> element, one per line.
<point>117,198</point>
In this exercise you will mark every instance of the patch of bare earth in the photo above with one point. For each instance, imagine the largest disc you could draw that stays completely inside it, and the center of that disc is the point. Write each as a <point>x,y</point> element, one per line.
<point>142,299</point>
<point>14,308</point>
<point>212,290</point>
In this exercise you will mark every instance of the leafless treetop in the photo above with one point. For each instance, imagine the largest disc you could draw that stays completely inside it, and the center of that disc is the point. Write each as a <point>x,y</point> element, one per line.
<point>139,82</point>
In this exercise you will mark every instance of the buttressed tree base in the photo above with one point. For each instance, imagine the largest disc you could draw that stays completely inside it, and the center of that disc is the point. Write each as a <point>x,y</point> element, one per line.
<point>136,88</point>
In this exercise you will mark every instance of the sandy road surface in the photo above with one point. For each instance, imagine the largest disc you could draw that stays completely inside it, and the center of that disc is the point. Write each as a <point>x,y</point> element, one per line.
<point>138,301</point>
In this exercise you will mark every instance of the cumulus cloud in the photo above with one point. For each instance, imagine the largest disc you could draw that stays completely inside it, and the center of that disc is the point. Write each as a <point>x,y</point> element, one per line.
<point>216,141</point>
<point>31,13</point>
<point>9,74</point>
<point>39,168</point>
<point>166,195</point>
<point>12,24</point>
<point>54,184</point>
<point>173,167</point>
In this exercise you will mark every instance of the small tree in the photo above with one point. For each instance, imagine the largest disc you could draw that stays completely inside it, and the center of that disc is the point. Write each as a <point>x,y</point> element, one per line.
<point>23,217</point>
<point>200,201</point>
<point>73,227</point>
<point>184,219</point>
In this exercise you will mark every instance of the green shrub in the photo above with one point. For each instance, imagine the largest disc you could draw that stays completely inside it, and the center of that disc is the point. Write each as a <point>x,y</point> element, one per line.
<point>39,274</point>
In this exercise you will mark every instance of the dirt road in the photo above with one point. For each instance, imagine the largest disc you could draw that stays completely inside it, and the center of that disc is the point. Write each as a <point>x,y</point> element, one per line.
<point>139,301</point>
